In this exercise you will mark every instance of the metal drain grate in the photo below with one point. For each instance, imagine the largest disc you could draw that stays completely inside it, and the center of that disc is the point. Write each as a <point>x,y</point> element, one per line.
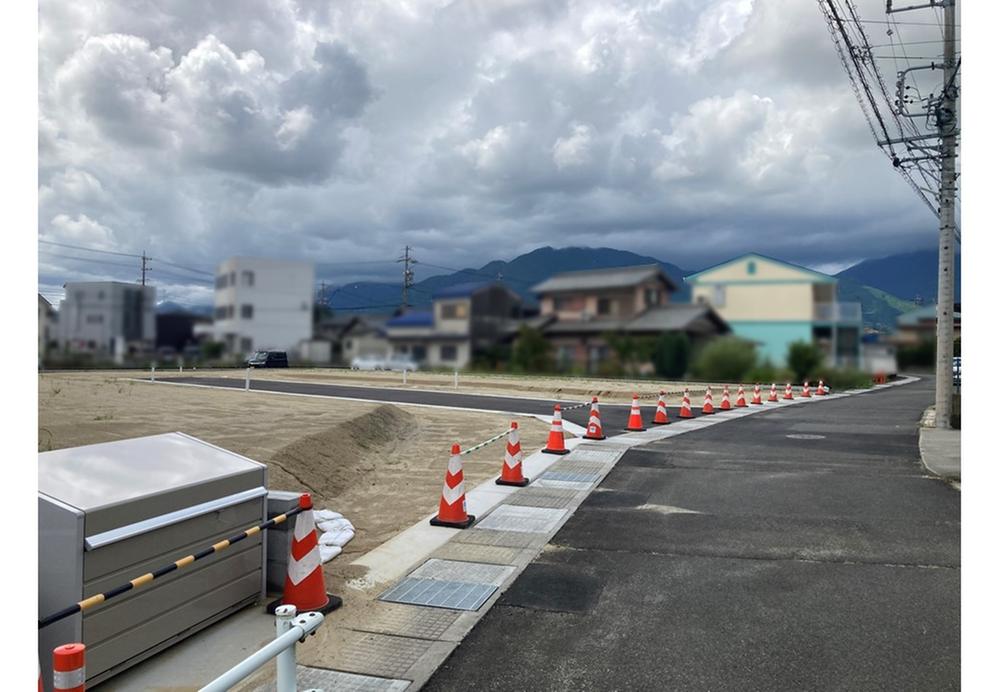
<point>568,485</point>
<point>438,593</point>
<point>504,539</point>
<point>571,476</point>
<point>554,498</point>
<point>599,456</point>
<point>459,571</point>
<point>523,519</point>
<point>322,679</point>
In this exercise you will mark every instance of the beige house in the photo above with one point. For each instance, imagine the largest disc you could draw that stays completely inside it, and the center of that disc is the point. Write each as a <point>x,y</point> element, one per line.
<point>775,303</point>
<point>579,309</point>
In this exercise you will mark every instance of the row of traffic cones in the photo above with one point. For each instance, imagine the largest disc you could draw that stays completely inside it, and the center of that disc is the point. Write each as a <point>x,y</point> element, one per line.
<point>452,510</point>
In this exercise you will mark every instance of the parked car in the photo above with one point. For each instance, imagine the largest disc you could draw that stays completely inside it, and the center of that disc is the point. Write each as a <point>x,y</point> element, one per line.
<point>367,363</point>
<point>268,359</point>
<point>400,363</point>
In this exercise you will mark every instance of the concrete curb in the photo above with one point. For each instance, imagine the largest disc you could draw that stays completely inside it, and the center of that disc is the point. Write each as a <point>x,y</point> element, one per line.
<point>940,449</point>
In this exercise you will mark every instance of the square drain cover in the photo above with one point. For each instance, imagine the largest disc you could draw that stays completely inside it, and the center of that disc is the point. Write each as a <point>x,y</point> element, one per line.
<point>523,519</point>
<point>438,593</point>
<point>569,485</point>
<point>460,571</point>
<point>321,679</point>
<point>599,456</point>
<point>571,476</point>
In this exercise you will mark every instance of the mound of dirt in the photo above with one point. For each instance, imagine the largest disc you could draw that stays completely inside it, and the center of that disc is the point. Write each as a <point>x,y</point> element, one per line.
<point>328,461</point>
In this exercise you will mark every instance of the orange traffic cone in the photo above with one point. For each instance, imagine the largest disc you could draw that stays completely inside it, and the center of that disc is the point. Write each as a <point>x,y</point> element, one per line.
<point>661,410</point>
<point>805,390</point>
<point>510,473</point>
<point>594,429</point>
<point>725,405</point>
<point>756,395</point>
<point>741,398</point>
<point>788,391</point>
<point>686,405</point>
<point>820,389</point>
<point>634,416</point>
<point>708,408</point>
<point>304,586</point>
<point>557,443</point>
<point>773,396</point>
<point>451,510</point>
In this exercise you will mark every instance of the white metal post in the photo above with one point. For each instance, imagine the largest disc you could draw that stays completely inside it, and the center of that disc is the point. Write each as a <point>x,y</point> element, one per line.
<point>286,659</point>
<point>152,373</point>
<point>456,379</point>
<point>246,384</point>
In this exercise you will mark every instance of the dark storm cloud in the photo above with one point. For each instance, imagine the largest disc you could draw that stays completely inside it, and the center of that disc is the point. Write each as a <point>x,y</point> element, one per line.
<point>688,130</point>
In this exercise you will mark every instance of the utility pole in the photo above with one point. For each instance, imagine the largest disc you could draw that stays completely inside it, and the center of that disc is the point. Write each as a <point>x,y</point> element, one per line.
<point>944,110</point>
<point>947,125</point>
<point>407,260</point>
<point>144,268</point>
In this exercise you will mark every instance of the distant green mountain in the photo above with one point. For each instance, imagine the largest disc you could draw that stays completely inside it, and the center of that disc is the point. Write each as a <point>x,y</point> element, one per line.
<point>908,275</point>
<point>878,308</point>
<point>520,273</point>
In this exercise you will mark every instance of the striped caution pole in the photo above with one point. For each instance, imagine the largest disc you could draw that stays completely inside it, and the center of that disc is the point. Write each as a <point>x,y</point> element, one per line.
<point>97,599</point>
<point>69,674</point>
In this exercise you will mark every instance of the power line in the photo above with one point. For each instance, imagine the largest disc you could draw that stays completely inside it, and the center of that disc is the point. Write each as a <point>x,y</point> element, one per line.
<point>88,249</point>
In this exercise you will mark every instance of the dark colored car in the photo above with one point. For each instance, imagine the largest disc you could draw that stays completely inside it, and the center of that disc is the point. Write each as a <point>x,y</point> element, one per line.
<point>268,359</point>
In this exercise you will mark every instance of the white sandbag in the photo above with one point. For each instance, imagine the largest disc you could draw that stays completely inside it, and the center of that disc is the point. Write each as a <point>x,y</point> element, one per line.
<point>328,552</point>
<point>326,515</point>
<point>334,525</point>
<point>338,538</point>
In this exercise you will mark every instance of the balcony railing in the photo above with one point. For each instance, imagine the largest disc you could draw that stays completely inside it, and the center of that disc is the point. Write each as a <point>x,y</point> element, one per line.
<point>837,312</point>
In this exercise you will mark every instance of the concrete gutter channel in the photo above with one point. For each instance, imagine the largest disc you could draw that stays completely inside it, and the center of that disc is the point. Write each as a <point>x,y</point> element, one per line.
<point>941,449</point>
<point>403,644</point>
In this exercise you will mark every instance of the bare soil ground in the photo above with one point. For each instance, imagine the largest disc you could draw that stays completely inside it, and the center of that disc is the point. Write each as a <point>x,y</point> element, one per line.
<point>379,465</point>
<point>534,386</point>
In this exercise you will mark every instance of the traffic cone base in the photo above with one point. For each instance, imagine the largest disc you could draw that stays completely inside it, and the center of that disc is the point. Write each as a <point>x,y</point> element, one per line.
<point>470,520</point>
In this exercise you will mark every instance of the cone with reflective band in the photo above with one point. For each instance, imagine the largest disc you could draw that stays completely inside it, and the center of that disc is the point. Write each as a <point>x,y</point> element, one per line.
<point>756,395</point>
<point>635,416</point>
<point>511,473</point>
<point>451,510</point>
<point>661,410</point>
<point>725,405</point>
<point>69,674</point>
<point>805,390</point>
<point>557,443</point>
<point>708,408</point>
<point>773,396</point>
<point>820,389</point>
<point>304,586</point>
<point>594,429</point>
<point>741,398</point>
<point>686,405</point>
<point>788,391</point>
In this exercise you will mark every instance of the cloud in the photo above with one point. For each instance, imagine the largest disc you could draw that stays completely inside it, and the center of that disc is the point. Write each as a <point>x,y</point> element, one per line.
<point>691,130</point>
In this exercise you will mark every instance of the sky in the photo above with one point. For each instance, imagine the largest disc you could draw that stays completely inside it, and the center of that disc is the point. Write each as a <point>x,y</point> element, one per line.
<point>339,132</point>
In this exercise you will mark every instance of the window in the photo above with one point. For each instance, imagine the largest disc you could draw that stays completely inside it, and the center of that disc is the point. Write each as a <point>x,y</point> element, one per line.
<point>100,295</point>
<point>246,345</point>
<point>232,278</point>
<point>605,306</point>
<point>221,280</point>
<point>568,303</point>
<point>454,311</point>
<point>719,296</point>
<point>449,352</point>
<point>751,267</point>
<point>247,277</point>
<point>246,312</point>
<point>652,297</point>
<point>220,312</point>
<point>95,319</point>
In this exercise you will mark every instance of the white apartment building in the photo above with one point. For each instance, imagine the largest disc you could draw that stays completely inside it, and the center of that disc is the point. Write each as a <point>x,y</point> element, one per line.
<point>107,317</point>
<point>263,304</point>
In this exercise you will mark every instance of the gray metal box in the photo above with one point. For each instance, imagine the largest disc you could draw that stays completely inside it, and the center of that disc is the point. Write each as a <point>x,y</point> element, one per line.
<point>108,513</point>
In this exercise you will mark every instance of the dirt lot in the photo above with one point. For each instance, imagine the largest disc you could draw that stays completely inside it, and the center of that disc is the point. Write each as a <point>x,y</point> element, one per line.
<point>379,465</point>
<point>546,387</point>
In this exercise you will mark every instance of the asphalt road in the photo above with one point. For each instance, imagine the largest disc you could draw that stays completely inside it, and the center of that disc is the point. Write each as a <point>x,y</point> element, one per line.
<point>739,558</point>
<point>614,418</point>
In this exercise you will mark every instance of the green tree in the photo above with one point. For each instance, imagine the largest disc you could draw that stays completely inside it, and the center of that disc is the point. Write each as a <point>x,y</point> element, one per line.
<point>531,352</point>
<point>632,351</point>
<point>670,354</point>
<point>804,358</point>
<point>726,359</point>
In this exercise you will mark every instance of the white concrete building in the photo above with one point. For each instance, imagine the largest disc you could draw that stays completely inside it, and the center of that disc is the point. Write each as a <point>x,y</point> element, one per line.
<point>263,304</point>
<point>108,317</point>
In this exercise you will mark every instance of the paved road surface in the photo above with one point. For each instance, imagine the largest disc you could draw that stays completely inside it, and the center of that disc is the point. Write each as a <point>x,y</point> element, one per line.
<point>613,417</point>
<point>819,564</point>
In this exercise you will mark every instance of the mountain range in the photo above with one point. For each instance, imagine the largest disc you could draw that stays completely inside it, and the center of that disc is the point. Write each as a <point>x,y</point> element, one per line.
<point>885,286</point>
